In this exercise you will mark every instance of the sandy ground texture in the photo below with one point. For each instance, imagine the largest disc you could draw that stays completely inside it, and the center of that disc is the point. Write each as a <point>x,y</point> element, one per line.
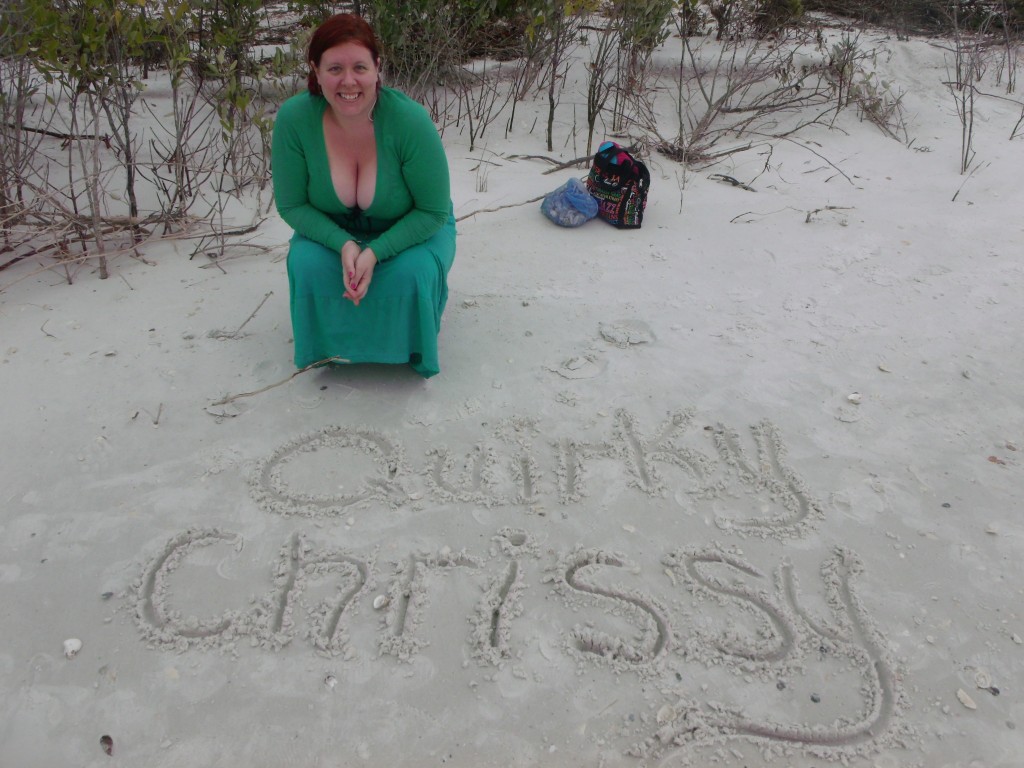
<point>740,488</point>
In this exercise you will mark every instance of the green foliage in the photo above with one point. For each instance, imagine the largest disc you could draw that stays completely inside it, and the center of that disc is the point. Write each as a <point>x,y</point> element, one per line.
<point>231,27</point>
<point>643,24</point>
<point>928,15</point>
<point>760,18</point>
<point>171,30</point>
<point>690,17</point>
<point>425,41</point>
<point>420,40</point>
<point>770,16</point>
<point>85,43</point>
<point>312,12</point>
<point>550,14</point>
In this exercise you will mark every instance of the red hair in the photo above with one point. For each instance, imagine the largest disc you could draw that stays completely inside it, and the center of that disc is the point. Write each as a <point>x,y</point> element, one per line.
<point>340,28</point>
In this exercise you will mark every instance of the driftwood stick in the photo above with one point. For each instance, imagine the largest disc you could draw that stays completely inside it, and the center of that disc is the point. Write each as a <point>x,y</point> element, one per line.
<point>534,157</point>
<point>558,165</point>
<point>502,207</point>
<point>58,135</point>
<point>810,214</point>
<point>224,232</point>
<point>569,164</point>
<point>234,333</point>
<point>730,180</point>
<point>250,317</point>
<point>232,398</point>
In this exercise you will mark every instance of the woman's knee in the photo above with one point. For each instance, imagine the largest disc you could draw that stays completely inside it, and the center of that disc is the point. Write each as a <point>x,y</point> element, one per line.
<point>412,268</point>
<point>311,261</point>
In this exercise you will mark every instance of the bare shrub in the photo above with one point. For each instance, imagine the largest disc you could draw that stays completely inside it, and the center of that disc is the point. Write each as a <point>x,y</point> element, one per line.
<point>753,18</point>
<point>557,27</point>
<point>87,49</point>
<point>19,139</point>
<point>643,25</point>
<point>421,41</point>
<point>744,86</point>
<point>966,63</point>
<point>482,95</point>
<point>601,75</point>
<point>852,70</point>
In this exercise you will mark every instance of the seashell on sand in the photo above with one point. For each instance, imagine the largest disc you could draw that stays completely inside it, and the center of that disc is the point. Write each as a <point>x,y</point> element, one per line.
<point>966,700</point>
<point>72,646</point>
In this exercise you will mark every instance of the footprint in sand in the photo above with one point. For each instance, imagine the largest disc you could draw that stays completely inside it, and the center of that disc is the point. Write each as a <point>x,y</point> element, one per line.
<point>217,460</point>
<point>626,333</point>
<point>96,456</point>
<point>308,401</point>
<point>586,366</point>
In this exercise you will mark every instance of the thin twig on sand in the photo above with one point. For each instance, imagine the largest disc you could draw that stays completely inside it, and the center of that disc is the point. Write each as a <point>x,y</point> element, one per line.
<point>502,207</point>
<point>810,214</point>
<point>234,334</point>
<point>730,180</point>
<point>154,419</point>
<point>739,218</point>
<point>317,364</point>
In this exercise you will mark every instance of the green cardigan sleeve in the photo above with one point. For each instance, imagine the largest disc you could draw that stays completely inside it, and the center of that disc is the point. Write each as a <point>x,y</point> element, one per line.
<point>407,131</point>
<point>295,128</point>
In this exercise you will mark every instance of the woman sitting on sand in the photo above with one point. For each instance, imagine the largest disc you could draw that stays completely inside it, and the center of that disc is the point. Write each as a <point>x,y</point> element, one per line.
<point>361,175</point>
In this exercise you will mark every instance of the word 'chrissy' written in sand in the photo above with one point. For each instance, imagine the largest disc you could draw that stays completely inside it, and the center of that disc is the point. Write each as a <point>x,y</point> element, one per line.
<point>517,465</point>
<point>708,608</point>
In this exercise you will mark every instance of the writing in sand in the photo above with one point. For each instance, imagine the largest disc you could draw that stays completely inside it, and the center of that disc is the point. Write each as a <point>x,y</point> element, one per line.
<point>662,617</point>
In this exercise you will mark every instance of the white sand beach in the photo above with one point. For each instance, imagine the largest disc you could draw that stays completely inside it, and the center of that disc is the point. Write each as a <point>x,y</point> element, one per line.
<point>742,487</point>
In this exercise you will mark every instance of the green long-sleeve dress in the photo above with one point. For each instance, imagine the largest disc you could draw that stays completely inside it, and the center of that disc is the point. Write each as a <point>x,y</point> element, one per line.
<point>409,225</point>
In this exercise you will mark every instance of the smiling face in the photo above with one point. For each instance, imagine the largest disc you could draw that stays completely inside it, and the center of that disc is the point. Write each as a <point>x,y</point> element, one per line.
<point>347,75</point>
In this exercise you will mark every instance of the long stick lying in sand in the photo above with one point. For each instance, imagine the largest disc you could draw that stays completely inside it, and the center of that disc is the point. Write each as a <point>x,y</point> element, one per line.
<point>502,207</point>
<point>230,398</point>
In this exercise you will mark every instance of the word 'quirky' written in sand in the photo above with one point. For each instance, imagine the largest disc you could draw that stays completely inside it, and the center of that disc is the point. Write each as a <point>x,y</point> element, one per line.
<point>518,465</point>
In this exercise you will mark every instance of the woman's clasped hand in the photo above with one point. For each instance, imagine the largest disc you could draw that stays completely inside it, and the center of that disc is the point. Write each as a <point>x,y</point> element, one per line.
<point>357,265</point>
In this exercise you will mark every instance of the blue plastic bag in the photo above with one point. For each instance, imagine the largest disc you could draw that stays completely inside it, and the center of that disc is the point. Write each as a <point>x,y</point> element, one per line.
<point>570,205</point>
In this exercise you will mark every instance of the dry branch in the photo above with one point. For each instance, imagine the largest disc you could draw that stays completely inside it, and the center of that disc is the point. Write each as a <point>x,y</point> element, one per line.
<point>59,135</point>
<point>234,334</point>
<point>730,180</point>
<point>317,364</point>
<point>502,207</point>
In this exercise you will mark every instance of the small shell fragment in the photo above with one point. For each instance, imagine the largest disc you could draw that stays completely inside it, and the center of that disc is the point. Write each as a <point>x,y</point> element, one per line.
<point>855,397</point>
<point>72,646</point>
<point>1016,638</point>
<point>107,744</point>
<point>666,714</point>
<point>330,681</point>
<point>629,528</point>
<point>983,679</point>
<point>966,700</point>
<point>379,602</point>
<point>884,368</point>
